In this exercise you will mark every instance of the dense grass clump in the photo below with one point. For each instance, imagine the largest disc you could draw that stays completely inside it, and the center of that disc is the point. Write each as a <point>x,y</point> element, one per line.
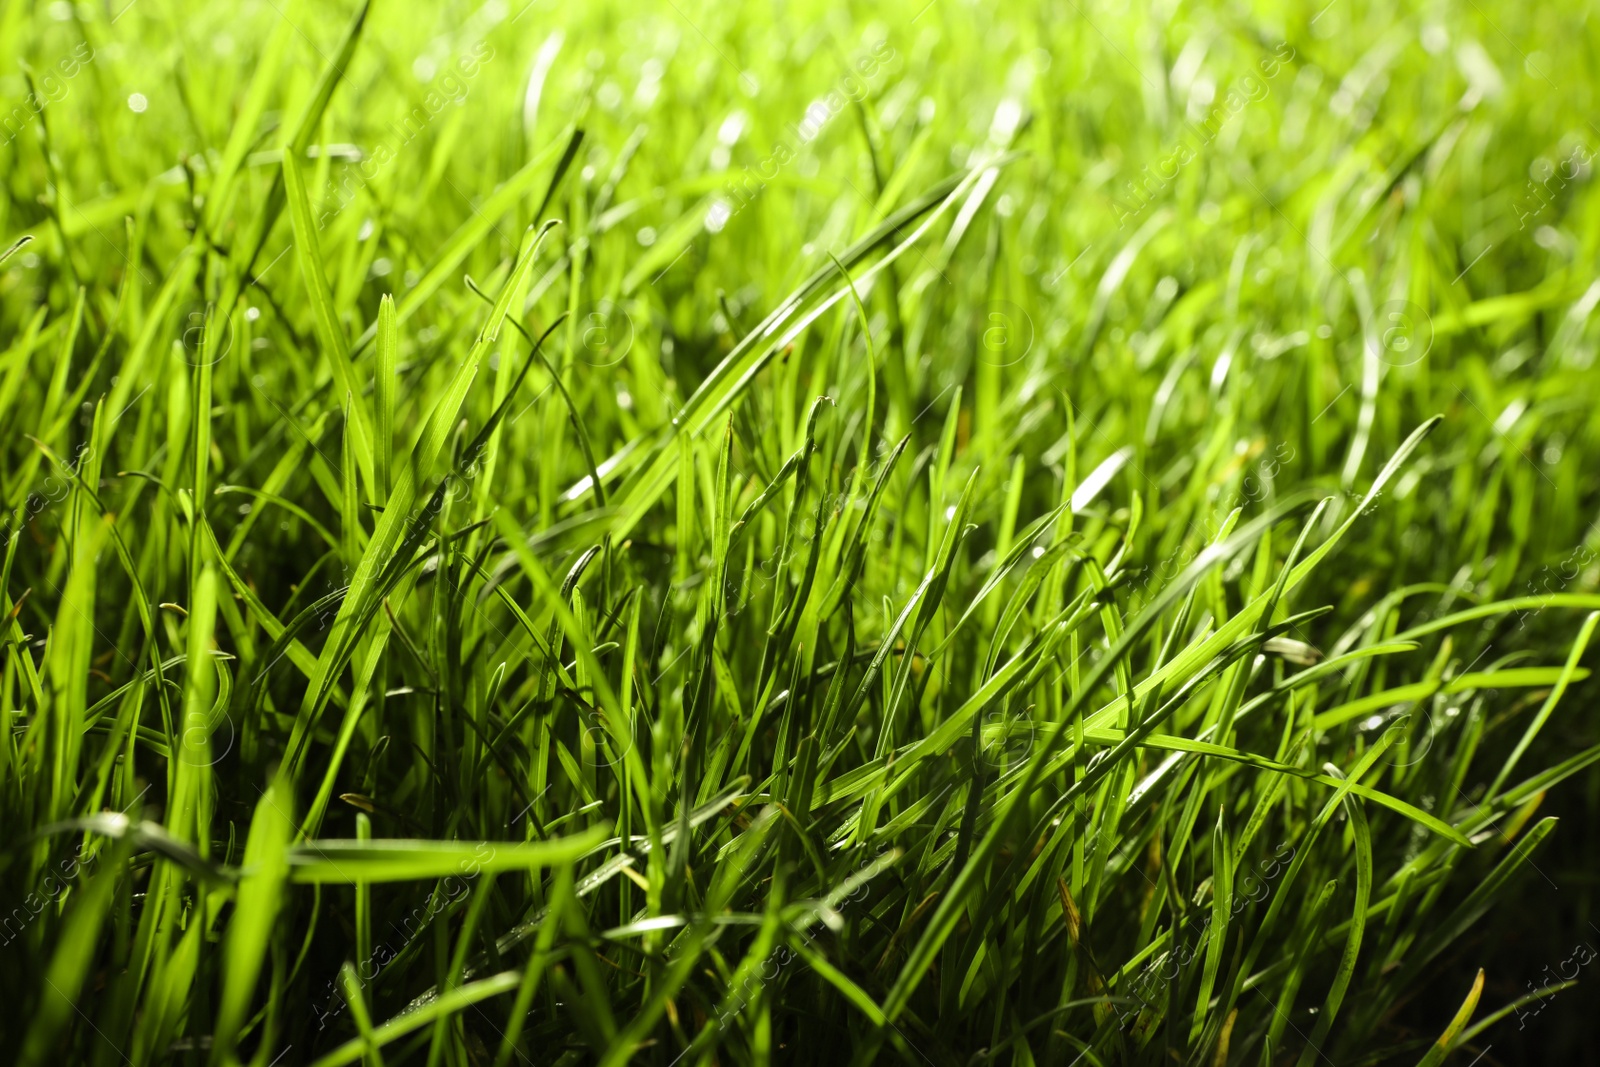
<point>955,534</point>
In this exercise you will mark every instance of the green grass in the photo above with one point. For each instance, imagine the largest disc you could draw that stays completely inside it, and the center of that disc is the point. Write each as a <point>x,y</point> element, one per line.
<point>940,535</point>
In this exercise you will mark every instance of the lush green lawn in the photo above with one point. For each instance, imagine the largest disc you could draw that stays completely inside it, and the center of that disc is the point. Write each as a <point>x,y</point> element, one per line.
<point>737,534</point>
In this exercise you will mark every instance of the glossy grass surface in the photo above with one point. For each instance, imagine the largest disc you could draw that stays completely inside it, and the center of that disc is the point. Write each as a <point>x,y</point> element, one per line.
<point>739,534</point>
